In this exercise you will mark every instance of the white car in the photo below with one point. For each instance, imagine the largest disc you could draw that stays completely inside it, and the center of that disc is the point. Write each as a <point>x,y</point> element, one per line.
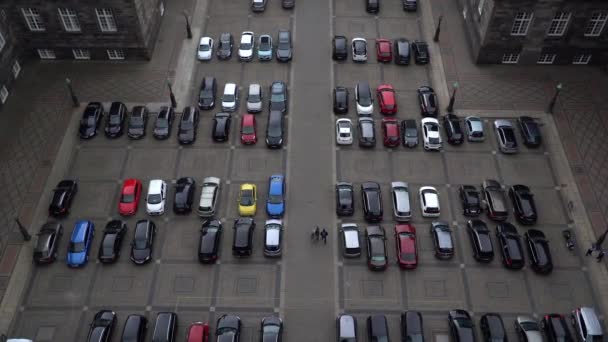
<point>157,194</point>
<point>430,134</point>
<point>344,132</point>
<point>364,99</point>
<point>246,46</point>
<point>230,97</point>
<point>205,49</point>
<point>429,201</point>
<point>272,238</point>
<point>359,47</point>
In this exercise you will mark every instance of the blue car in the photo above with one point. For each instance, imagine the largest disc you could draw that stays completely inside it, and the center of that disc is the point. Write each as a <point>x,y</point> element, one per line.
<point>275,204</point>
<point>80,243</point>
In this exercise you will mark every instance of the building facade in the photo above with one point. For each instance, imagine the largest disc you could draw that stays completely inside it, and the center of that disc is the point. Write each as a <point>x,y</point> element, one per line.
<point>537,31</point>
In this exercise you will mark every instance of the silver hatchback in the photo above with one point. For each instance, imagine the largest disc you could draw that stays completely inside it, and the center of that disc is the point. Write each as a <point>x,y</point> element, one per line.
<point>401,201</point>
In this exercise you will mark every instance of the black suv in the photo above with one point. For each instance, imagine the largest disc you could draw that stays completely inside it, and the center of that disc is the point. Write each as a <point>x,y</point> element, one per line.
<point>63,195</point>
<point>339,48</point>
<point>224,49</point>
<point>101,327</point>
<point>470,199</point>
<point>372,201</point>
<point>453,129</point>
<point>274,130</point>
<point>421,52</point>
<point>495,200</point>
<point>188,125</point>
<point>207,93</point>
<point>242,242</point>
<point>221,127</point>
<point>428,101</point>
<point>530,131</point>
<point>538,249</point>
<point>136,128</point>
<point>345,199</point>
<point>116,120</point>
<point>143,241</point>
<point>184,195</point>
<point>340,100</point>
<point>111,241</point>
<point>523,204</point>
<point>163,123</point>
<point>510,246</point>
<point>480,240</point>
<point>492,328</point>
<point>91,118</point>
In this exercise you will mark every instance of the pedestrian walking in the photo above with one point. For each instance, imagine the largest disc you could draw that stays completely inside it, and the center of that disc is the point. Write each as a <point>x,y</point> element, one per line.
<point>590,250</point>
<point>324,235</point>
<point>600,256</point>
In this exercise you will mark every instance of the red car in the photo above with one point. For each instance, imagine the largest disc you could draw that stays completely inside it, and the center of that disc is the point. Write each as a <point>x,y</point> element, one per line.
<point>390,128</point>
<point>248,136</point>
<point>198,332</point>
<point>384,51</point>
<point>387,99</point>
<point>129,197</point>
<point>405,240</point>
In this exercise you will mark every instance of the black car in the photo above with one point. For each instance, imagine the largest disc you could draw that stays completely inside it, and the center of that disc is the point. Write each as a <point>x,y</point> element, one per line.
<point>453,129</point>
<point>135,329</point>
<point>367,132</point>
<point>377,328</point>
<point>428,101</point>
<point>274,130</point>
<point>271,329</point>
<point>442,240</point>
<point>409,133</point>
<point>377,260</point>
<point>116,120</point>
<point>523,204</point>
<point>288,4</point>
<point>207,93</point>
<point>480,240</point>
<point>224,48</point>
<point>101,327</point>
<point>510,246</point>
<point>163,123</point>
<point>371,195</point>
<point>228,328</point>
<point>340,100</point>
<point>339,48</point>
<point>221,127</point>
<point>143,241</point>
<point>136,128</point>
<point>461,326</point>
<point>111,241</point>
<point>412,327</point>
<point>421,52</point>
<point>492,328</point>
<point>410,5</point>
<point>530,131</point>
<point>165,327</point>
<point>555,328</point>
<point>470,199</point>
<point>209,243</point>
<point>188,126</point>
<point>242,242</point>
<point>90,121</point>
<point>284,46</point>
<point>184,195</point>
<point>372,6</point>
<point>63,195</point>
<point>278,96</point>
<point>48,242</point>
<point>538,249</point>
<point>495,200</point>
<point>345,199</point>
<point>402,51</point>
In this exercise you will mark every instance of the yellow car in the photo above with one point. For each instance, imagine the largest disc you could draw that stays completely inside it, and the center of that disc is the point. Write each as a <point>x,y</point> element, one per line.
<point>247,200</point>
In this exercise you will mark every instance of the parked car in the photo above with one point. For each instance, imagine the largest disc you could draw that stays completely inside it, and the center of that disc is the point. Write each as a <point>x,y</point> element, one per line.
<point>242,242</point>
<point>101,328</point>
<point>188,126</point>
<point>474,129</point>
<point>273,236</point>
<point>494,197</point>
<point>505,136</point>
<point>80,243</point>
<point>402,51</point>
<point>209,196</point>
<point>143,241</point>
<point>390,132</point>
<point>165,328</point>
<point>411,326</point>
<point>344,132</point>
<point>199,331</point>
<point>278,96</point>
<point>228,328</point>
<point>538,249</point>
<point>207,93</point>
<point>586,324</point>
<point>155,200</point>
<point>136,128</point>
<point>248,129</point>
<point>90,120</point>
<point>247,199</point>
<point>442,239</point>
<point>129,197</point>
<point>351,244</point>
<point>346,328</point>
<point>371,195</point>
<point>384,50</point>
<point>220,131</point>
<point>530,131</point>
<point>461,326</point>
<point>510,246</point>
<point>527,329</point>
<point>111,241</point>
<point>265,47</point>
<point>271,329</point>
<point>184,195</point>
<point>429,201</point>
<point>275,202</point>
<point>421,52</point>
<point>288,4</point>
<point>377,328</point>
<point>492,328</point>
<point>254,98</point>
<point>224,49</point>
<point>367,132</point>
<point>135,328</point>
<point>470,200</point>
<point>402,210</point>
<point>523,204</point>
<point>163,123</point>
<point>377,259</point>
<point>555,327</point>
<point>405,241</point>
<point>453,129</point>
<point>431,137</point>
<point>47,244</point>
<point>359,49</point>
<point>258,5</point>
<point>210,241</point>
<point>63,196</point>
<point>345,199</point>
<point>479,234</point>
<point>340,100</point>
<point>284,48</point>
<point>116,120</point>
<point>230,97</point>
<point>274,129</point>
<point>410,5</point>
<point>387,99</point>
<point>372,6</point>
<point>205,49</point>
<point>428,101</point>
<point>246,46</point>
<point>363,98</point>
<point>409,133</point>
<point>339,48</point>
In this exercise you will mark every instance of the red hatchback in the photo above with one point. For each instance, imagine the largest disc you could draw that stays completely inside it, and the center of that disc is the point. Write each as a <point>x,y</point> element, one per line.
<point>384,51</point>
<point>129,197</point>
<point>390,128</point>
<point>198,332</point>
<point>387,99</point>
<point>248,131</point>
<point>405,239</point>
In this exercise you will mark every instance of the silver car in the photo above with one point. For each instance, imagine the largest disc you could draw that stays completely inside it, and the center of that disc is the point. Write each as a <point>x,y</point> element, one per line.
<point>528,329</point>
<point>586,325</point>
<point>351,244</point>
<point>474,128</point>
<point>254,98</point>
<point>505,136</point>
<point>209,197</point>
<point>401,201</point>
<point>344,132</point>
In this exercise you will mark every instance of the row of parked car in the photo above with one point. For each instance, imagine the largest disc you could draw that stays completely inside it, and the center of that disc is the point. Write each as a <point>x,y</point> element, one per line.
<point>264,47</point>
<point>386,50</point>
<point>260,5</point>
<point>584,321</point>
<point>373,6</point>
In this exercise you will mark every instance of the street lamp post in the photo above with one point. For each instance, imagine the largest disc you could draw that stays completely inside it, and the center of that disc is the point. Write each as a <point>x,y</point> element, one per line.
<point>188,28</point>
<point>558,88</point>
<point>438,29</point>
<point>75,101</point>
<point>452,98</point>
<point>24,232</point>
<point>171,95</point>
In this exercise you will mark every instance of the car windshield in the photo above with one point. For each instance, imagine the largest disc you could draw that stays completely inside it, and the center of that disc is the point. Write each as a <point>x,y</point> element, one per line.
<point>275,130</point>
<point>526,326</point>
<point>228,98</point>
<point>127,198</point>
<point>114,119</point>
<point>464,323</point>
<point>283,44</point>
<point>378,258</point>
<point>509,134</point>
<point>225,331</point>
<point>77,247</point>
<point>280,97</point>
<point>247,197</point>
<point>360,47</point>
<point>540,253</point>
<point>136,121</point>
<point>203,47</point>
<point>253,98</point>
<point>411,132</point>
<point>186,125</point>
<point>271,330</point>
<point>245,46</point>
<point>275,199</point>
<point>248,130</point>
<point>140,243</point>
<point>408,256</point>
<point>88,121</point>
<point>365,100</point>
<point>154,199</point>
<point>162,123</point>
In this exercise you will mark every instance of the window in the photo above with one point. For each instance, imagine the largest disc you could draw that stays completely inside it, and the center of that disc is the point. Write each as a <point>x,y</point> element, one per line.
<point>16,69</point>
<point>33,19</point>
<point>116,54</point>
<point>558,24</point>
<point>521,24</point>
<point>2,41</point>
<point>546,58</point>
<point>3,94</point>
<point>480,6</point>
<point>81,53</point>
<point>69,20</point>
<point>596,24</point>
<point>46,54</point>
<point>510,58</point>
<point>582,59</point>
<point>106,20</point>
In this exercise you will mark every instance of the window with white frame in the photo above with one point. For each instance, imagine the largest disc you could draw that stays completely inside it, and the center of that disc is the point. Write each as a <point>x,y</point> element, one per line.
<point>2,41</point>
<point>33,19</point>
<point>480,6</point>
<point>546,58</point>
<point>521,23</point>
<point>69,18</point>
<point>581,59</point>
<point>559,24</point>
<point>116,54</point>
<point>3,94</point>
<point>16,68</point>
<point>105,17</point>
<point>510,58</point>
<point>46,54</point>
<point>81,53</point>
<point>596,24</point>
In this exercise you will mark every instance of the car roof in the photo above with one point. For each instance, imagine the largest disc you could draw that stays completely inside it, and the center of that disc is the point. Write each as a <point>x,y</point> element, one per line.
<point>399,184</point>
<point>248,119</point>
<point>374,230</point>
<point>591,321</point>
<point>503,123</point>
<point>155,186</point>
<point>79,230</point>
<point>347,326</point>
<point>229,88</point>
<point>247,186</point>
